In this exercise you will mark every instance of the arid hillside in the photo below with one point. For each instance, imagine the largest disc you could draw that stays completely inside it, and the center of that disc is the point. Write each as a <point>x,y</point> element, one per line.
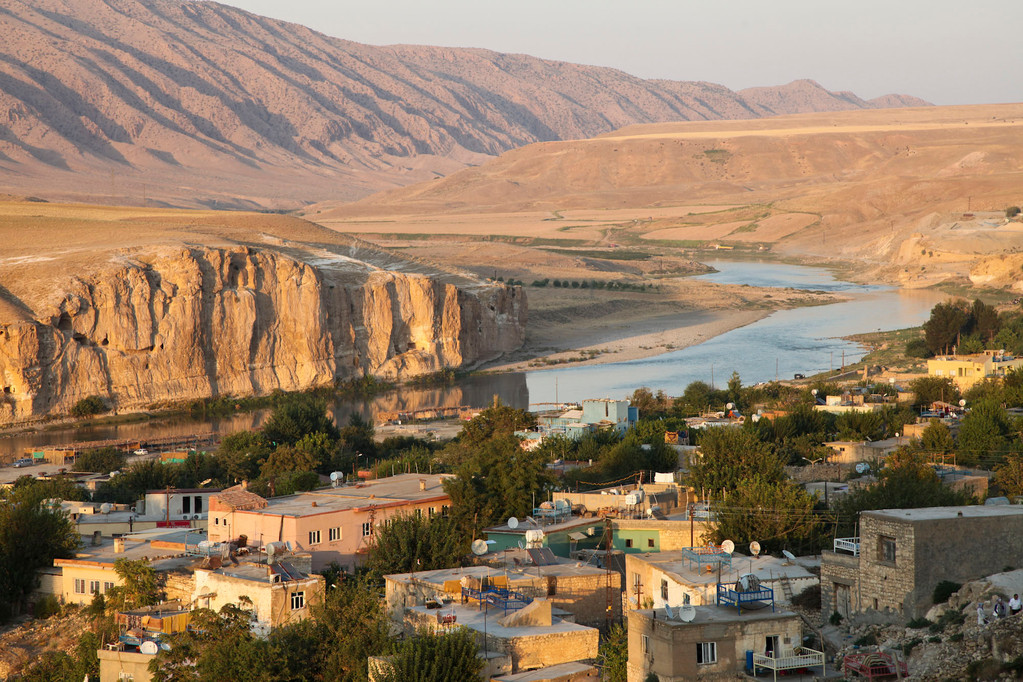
<point>145,307</point>
<point>178,102</point>
<point>901,191</point>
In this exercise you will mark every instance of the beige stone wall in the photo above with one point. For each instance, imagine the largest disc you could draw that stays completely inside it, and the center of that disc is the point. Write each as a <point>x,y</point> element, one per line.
<point>270,602</point>
<point>839,572</point>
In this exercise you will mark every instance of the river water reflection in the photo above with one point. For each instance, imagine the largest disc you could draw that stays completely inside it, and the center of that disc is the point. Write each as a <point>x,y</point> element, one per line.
<point>803,340</point>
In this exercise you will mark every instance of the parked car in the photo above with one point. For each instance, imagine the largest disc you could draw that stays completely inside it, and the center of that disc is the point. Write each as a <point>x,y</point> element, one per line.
<point>141,451</point>
<point>23,462</point>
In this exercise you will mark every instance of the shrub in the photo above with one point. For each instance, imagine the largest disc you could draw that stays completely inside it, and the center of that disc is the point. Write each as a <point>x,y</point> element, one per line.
<point>910,645</point>
<point>955,637</point>
<point>869,639</point>
<point>917,348</point>
<point>1012,211</point>
<point>810,598</point>
<point>944,590</point>
<point>46,606</point>
<point>836,618</point>
<point>87,407</point>
<point>918,623</point>
<point>934,640</point>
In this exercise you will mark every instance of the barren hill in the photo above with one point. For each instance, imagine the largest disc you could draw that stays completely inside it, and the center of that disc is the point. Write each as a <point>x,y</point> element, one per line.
<point>200,104</point>
<point>898,188</point>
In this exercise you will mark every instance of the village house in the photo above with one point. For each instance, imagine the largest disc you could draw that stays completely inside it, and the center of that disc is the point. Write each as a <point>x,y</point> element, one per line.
<point>691,575</point>
<point>593,415</point>
<point>714,641</point>
<point>967,370</point>
<point>331,524</point>
<point>902,554</point>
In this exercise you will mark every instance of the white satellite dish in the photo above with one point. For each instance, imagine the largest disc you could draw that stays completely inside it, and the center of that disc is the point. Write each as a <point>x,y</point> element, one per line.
<point>686,613</point>
<point>633,601</point>
<point>513,523</point>
<point>729,406</point>
<point>728,546</point>
<point>754,548</point>
<point>149,647</point>
<point>522,545</point>
<point>962,402</point>
<point>667,613</point>
<point>789,555</point>
<point>479,547</point>
<point>105,508</point>
<point>862,467</point>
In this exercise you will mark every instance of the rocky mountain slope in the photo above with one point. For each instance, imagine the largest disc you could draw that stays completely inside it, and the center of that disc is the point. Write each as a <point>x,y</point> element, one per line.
<point>151,102</point>
<point>152,309</point>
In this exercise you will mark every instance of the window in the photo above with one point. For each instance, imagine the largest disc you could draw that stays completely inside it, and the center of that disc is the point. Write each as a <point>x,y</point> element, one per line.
<point>444,511</point>
<point>686,599</point>
<point>433,512</point>
<point>216,520</point>
<point>297,600</point>
<point>106,587</point>
<point>628,542</point>
<point>664,590</point>
<point>334,534</point>
<point>93,587</point>
<point>886,549</point>
<point>419,513</point>
<point>186,505</point>
<point>314,537</point>
<point>646,644</point>
<point>706,652</point>
<point>649,542</point>
<point>79,586</point>
<point>198,504</point>
<point>367,529</point>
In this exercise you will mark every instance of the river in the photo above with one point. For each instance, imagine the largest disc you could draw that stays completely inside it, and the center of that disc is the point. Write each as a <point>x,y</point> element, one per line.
<point>801,340</point>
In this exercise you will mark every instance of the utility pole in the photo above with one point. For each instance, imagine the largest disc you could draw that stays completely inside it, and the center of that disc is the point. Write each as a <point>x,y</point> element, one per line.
<point>608,589</point>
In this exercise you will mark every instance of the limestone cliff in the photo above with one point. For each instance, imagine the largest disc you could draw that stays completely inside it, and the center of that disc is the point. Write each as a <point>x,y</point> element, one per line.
<point>194,322</point>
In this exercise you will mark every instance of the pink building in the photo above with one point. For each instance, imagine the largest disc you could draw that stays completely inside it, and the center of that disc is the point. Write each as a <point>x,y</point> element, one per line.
<point>331,524</point>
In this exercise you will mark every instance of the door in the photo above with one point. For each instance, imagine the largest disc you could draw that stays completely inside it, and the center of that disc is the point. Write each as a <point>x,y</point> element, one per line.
<point>771,647</point>
<point>842,599</point>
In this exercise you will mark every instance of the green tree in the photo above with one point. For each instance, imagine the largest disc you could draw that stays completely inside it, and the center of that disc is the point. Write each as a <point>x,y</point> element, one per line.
<point>87,407</point>
<point>101,460</point>
<point>436,657</point>
<point>500,420</point>
<point>937,438</point>
<point>286,459</point>
<point>613,656</point>
<point>730,457</point>
<point>33,533</point>
<point>927,390</point>
<point>410,543</point>
<point>1009,476</point>
<point>776,513</point>
<point>243,453</point>
<point>352,625</point>
<point>300,415</point>
<point>984,435</point>
<point>134,480</point>
<point>138,586</point>
<point>499,480</point>
<point>944,326</point>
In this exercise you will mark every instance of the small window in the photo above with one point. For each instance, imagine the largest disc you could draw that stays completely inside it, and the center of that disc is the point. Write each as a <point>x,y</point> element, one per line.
<point>650,542</point>
<point>297,600</point>
<point>628,542</point>
<point>886,549</point>
<point>419,513</point>
<point>79,586</point>
<point>334,534</point>
<point>198,504</point>
<point>314,537</point>
<point>552,585</point>
<point>444,511</point>
<point>432,512</point>
<point>686,599</point>
<point>664,590</point>
<point>106,587</point>
<point>93,587</point>
<point>706,652</point>
<point>367,529</point>
<point>216,520</point>
<point>646,644</point>
<point>186,505</point>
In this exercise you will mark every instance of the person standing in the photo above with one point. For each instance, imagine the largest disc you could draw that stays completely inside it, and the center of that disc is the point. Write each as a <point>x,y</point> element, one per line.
<point>999,608</point>
<point>1015,605</point>
<point>981,619</point>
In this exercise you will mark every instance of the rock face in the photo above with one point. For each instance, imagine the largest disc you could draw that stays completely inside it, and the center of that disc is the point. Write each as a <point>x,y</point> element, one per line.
<point>202,322</point>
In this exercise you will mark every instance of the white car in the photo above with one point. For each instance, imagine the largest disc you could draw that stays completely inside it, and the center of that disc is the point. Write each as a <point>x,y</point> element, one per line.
<point>141,451</point>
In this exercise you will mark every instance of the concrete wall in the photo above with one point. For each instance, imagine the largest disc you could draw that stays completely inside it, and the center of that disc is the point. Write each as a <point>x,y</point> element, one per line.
<point>671,646</point>
<point>839,584</point>
<point>270,602</point>
<point>112,664</point>
<point>667,535</point>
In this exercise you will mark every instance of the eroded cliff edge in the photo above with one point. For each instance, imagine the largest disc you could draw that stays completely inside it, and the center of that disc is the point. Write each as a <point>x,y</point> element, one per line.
<point>192,322</point>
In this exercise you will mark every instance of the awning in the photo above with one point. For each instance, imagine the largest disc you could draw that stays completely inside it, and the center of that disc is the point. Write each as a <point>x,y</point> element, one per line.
<point>577,536</point>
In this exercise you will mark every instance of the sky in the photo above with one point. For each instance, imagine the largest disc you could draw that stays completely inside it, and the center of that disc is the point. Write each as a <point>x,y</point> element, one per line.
<point>945,52</point>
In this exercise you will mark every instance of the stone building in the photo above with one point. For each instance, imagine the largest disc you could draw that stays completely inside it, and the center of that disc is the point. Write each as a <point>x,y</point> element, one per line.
<point>713,644</point>
<point>902,554</point>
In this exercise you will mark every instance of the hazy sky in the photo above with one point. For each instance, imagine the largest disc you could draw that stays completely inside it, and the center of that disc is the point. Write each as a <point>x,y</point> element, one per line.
<point>943,51</point>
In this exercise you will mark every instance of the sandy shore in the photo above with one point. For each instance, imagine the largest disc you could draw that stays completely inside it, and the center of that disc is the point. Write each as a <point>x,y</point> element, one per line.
<point>594,342</point>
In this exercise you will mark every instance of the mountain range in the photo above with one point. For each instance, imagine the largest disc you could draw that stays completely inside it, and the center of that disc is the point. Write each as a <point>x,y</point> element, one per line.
<point>178,102</point>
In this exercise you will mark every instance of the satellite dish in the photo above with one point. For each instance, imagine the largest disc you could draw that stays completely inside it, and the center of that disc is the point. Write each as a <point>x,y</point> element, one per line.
<point>729,406</point>
<point>862,467</point>
<point>479,547</point>
<point>686,613</point>
<point>789,555</point>
<point>522,545</point>
<point>754,548</point>
<point>105,508</point>
<point>668,613</point>
<point>149,648</point>
<point>633,601</point>
<point>513,523</point>
<point>962,402</point>
<point>728,546</point>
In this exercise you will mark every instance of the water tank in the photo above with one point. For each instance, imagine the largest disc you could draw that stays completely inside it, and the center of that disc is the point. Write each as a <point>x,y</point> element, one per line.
<point>534,536</point>
<point>105,508</point>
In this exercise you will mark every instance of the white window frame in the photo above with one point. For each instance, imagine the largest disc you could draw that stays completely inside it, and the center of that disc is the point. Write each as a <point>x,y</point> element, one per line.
<point>367,529</point>
<point>706,653</point>
<point>334,534</point>
<point>94,586</point>
<point>314,537</point>
<point>106,586</point>
<point>297,601</point>
<point>79,585</point>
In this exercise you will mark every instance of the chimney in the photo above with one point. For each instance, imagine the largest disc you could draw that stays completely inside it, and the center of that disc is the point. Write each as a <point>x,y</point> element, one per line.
<point>97,538</point>
<point>422,484</point>
<point>118,545</point>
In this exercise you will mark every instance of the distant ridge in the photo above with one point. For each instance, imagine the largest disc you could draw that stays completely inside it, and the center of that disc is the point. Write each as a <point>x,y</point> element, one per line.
<point>200,104</point>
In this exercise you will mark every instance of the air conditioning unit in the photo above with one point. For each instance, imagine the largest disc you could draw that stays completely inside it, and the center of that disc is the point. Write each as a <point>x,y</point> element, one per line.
<point>195,517</point>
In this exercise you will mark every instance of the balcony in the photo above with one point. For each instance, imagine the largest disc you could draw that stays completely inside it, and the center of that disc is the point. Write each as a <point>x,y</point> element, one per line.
<point>848,546</point>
